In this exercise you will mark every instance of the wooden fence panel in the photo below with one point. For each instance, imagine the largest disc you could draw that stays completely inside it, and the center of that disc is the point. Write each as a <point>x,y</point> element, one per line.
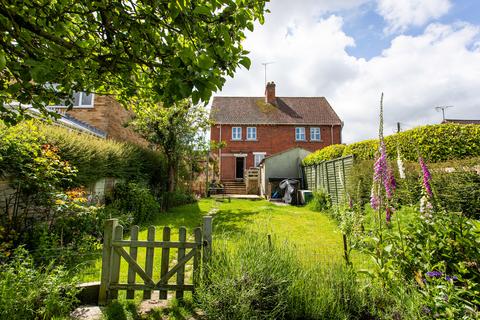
<point>332,176</point>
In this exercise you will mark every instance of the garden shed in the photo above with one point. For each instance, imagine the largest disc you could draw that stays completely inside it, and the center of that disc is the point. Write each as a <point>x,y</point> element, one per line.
<point>280,166</point>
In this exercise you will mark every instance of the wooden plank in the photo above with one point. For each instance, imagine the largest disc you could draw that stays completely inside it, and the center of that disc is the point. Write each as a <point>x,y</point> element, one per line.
<point>110,226</point>
<point>154,244</point>
<point>147,294</point>
<point>336,185</point>
<point>138,286</point>
<point>179,264</point>
<point>115,267</point>
<point>182,237</point>
<point>143,274</point>
<point>133,254</point>
<point>207,238</point>
<point>196,259</point>
<point>165,262</point>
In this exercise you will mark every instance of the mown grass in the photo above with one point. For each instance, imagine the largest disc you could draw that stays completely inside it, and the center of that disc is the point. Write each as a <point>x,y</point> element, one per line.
<point>314,236</point>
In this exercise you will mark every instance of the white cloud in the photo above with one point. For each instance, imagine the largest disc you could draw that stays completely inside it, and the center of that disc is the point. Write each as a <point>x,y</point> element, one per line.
<point>401,14</point>
<point>439,67</point>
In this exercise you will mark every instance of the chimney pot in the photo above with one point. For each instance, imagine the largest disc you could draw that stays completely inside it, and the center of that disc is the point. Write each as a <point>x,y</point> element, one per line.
<point>270,93</point>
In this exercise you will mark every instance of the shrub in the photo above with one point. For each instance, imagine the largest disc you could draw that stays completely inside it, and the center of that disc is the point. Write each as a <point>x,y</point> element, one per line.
<point>177,198</point>
<point>30,293</point>
<point>455,191</point>
<point>97,158</point>
<point>434,142</point>
<point>93,158</point>
<point>321,201</point>
<point>328,153</point>
<point>134,199</point>
<point>363,150</point>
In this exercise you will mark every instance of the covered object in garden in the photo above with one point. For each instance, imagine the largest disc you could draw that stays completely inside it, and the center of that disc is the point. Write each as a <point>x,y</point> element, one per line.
<point>278,167</point>
<point>290,188</point>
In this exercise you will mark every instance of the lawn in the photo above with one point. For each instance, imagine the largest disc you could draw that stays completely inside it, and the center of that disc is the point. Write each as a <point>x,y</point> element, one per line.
<point>313,234</point>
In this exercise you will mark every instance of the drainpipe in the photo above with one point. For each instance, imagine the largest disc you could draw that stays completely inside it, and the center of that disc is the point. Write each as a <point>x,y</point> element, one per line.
<point>331,134</point>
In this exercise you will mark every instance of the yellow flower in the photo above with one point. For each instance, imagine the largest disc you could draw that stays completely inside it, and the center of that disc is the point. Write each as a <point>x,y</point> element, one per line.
<point>59,202</point>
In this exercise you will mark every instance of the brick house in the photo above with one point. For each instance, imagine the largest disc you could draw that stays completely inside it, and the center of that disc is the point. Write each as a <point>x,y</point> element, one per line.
<point>256,127</point>
<point>103,113</point>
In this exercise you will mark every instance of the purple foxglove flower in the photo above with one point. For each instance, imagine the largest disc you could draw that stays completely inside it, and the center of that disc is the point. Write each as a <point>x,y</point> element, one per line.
<point>389,213</point>
<point>454,278</point>
<point>374,200</point>
<point>434,274</point>
<point>426,177</point>
<point>389,183</point>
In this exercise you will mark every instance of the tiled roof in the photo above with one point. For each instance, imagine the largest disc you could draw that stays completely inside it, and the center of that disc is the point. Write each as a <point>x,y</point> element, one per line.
<point>461,121</point>
<point>288,110</point>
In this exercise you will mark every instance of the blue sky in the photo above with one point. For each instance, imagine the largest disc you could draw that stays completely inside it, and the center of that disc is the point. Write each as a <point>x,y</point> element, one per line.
<point>366,26</point>
<point>420,53</point>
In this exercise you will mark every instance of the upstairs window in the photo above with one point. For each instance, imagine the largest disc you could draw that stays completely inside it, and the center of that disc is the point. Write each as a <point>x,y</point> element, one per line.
<point>82,99</point>
<point>236,133</point>
<point>251,133</point>
<point>300,134</point>
<point>315,134</point>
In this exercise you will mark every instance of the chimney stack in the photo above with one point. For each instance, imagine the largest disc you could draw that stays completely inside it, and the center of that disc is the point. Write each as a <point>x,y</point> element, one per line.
<point>270,93</point>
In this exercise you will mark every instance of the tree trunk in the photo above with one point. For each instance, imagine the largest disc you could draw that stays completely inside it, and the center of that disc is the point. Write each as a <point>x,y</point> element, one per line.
<point>171,177</point>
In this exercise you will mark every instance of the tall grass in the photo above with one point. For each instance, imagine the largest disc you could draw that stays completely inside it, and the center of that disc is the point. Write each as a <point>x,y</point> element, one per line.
<point>255,280</point>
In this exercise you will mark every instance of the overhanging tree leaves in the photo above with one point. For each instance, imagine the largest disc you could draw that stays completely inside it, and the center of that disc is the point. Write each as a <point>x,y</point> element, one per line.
<point>140,51</point>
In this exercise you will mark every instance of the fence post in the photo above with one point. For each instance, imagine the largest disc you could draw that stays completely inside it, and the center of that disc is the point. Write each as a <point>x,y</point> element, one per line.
<point>110,226</point>
<point>207,238</point>
<point>345,249</point>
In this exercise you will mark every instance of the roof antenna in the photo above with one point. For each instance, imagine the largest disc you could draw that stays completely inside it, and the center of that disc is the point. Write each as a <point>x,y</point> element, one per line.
<point>443,108</point>
<point>265,64</point>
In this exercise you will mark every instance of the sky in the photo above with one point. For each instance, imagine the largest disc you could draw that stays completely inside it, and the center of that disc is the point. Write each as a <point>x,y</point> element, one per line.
<point>420,53</point>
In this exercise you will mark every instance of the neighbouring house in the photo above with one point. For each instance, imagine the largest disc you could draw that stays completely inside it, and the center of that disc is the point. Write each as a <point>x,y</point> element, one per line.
<point>103,113</point>
<point>256,127</point>
<point>461,121</point>
<point>281,166</point>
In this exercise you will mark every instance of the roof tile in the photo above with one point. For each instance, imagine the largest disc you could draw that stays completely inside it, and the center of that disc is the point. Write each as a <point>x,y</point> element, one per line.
<point>288,110</point>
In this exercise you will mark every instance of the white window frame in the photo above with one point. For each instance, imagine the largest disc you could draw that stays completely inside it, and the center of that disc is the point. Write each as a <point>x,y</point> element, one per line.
<point>314,131</point>
<point>80,105</point>
<point>258,156</point>
<point>236,133</point>
<point>299,131</point>
<point>252,137</point>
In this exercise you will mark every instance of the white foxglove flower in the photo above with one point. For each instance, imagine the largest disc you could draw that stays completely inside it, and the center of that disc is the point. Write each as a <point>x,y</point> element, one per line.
<point>401,168</point>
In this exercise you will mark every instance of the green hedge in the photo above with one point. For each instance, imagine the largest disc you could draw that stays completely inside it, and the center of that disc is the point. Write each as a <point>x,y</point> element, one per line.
<point>96,158</point>
<point>331,152</point>
<point>435,143</point>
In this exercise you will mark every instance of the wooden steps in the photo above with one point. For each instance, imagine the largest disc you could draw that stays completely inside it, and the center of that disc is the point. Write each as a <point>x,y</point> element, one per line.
<point>234,187</point>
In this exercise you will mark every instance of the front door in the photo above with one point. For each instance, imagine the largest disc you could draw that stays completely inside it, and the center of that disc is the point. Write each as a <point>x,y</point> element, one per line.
<point>239,167</point>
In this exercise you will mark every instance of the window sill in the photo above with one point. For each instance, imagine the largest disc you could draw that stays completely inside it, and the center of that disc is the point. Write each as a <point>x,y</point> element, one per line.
<point>251,140</point>
<point>300,140</point>
<point>236,140</point>
<point>316,140</point>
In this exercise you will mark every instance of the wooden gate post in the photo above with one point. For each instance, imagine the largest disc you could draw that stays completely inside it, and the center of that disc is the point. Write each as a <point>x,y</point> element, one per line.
<point>207,238</point>
<point>110,226</point>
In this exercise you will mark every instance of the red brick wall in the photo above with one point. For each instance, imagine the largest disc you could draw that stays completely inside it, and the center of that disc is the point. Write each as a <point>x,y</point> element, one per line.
<point>109,116</point>
<point>270,139</point>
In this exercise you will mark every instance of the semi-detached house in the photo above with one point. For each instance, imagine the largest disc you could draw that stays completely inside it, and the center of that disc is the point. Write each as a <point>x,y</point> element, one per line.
<point>255,127</point>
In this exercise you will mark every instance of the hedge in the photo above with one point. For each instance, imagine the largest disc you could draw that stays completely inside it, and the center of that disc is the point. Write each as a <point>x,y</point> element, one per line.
<point>435,143</point>
<point>331,152</point>
<point>95,158</point>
